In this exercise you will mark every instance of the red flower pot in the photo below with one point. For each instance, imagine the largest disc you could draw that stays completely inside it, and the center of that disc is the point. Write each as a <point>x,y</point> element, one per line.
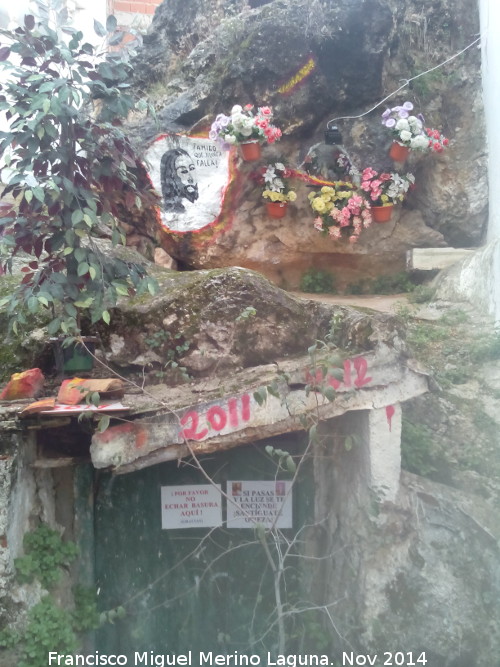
<point>381,213</point>
<point>399,153</point>
<point>276,209</point>
<point>250,151</point>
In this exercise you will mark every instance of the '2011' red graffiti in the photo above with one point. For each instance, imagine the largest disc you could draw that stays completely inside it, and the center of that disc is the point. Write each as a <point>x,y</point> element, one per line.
<point>360,380</point>
<point>217,416</point>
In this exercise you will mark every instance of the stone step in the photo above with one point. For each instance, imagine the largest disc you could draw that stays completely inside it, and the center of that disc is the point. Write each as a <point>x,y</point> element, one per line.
<point>429,259</point>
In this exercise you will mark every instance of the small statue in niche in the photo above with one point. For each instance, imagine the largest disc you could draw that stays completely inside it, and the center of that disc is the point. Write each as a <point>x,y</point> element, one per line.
<point>328,160</point>
<point>178,179</point>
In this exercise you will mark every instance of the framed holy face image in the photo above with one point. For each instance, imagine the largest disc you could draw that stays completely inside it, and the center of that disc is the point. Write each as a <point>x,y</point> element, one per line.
<point>192,175</point>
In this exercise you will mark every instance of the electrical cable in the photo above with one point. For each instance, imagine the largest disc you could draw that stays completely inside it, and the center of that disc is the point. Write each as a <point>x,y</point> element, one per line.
<point>406,83</point>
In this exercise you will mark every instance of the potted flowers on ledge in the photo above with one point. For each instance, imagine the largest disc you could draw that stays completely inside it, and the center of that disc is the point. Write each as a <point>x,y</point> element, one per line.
<point>341,211</point>
<point>409,133</point>
<point>407,130</point>
<point>277,191</point>
<point>383,190</point>
<point>437,141</point>
<point>246,129</point>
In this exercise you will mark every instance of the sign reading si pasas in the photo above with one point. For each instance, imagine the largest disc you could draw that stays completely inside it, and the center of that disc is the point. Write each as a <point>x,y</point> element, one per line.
<point>267,503</point>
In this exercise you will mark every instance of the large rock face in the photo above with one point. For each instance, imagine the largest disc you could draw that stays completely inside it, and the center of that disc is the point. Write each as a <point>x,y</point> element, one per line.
<point>208,321</point>
<point>421,575</point>
<point>361,51</point>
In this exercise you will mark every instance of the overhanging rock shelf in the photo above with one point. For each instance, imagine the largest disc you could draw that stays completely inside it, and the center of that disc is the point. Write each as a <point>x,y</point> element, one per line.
<point>218,414</point>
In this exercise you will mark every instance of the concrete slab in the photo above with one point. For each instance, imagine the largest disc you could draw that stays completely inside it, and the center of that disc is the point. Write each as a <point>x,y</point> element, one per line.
<point>431,259</point>
<point>371,381</point>
<point>384,303</point>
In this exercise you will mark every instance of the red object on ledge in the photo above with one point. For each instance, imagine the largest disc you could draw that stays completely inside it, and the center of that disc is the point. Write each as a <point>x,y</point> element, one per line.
<point>276,209</point>
<point>399,153</point>
<point>250,151</point>
<point>381,213</point>
<point>27,384</point>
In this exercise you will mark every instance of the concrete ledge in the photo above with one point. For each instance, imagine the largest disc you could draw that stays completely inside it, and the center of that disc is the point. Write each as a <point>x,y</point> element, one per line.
<point>429,259</point>
<point>370,382</point>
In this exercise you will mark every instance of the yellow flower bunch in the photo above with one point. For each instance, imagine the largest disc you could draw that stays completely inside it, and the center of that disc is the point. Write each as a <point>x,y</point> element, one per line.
<point>341,210</point>
<point>324,201</point>
<point>280,196</point>
<point>275,178</point>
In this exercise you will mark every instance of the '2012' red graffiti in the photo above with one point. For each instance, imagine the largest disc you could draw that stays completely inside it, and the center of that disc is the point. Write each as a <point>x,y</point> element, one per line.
<point>236,410</point>
<point>217,416</point>
<point>360,380</point>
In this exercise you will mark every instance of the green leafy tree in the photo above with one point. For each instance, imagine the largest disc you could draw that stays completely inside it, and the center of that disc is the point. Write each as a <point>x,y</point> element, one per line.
<point>70,172</point>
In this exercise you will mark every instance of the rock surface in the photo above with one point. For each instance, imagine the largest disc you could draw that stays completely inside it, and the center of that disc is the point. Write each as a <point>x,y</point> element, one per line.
<point>361,50</point>
<point>207,321</point>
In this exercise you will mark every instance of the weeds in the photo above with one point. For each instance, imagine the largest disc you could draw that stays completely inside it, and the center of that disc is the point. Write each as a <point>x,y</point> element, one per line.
<point>417,449</point>
<point>318,281</point>
<point>394,284</point>
<point>422,294</point>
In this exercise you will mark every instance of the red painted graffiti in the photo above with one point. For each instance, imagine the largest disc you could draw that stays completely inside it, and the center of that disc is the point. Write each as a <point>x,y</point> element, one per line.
<point>196,425</point>
<point>360,375</point>
<point>390,411</point>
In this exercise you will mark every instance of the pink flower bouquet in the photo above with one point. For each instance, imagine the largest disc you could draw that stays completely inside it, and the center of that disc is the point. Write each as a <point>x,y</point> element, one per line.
<point>243,125</point>
<point>341,211</point>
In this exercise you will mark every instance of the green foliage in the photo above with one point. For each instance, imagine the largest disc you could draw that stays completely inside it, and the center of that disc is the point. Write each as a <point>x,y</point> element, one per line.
<point>356,288</point>
<point>392,284</point>
<point>246,314</point>
<point>404,312</point>
<point>425,86</point>
<point>172,348</point>
<point>158,338</point>
<point>417,449</point>
<point>69,172</point>
<point>45,554</point>
<point>285,460</point>
<point>260,395</point>
<point>486,348</point>
<point>422,335</point>
<point>453,317</point>
<point>85,616</point>
<point>8,638</point>
<point>422,294</point>
<point>318,281</point>
<point>49,629</point>
<point>326,364</point>
<point>49,626</point>
<point>314,635</point>
<point>112,615</point>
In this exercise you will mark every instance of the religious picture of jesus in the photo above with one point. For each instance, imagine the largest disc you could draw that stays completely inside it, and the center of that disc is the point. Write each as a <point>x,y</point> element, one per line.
<point>192,175</point>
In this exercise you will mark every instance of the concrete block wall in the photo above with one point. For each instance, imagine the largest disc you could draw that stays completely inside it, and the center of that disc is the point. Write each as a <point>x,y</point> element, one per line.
<point>134,6</point>
<point>136,14</point>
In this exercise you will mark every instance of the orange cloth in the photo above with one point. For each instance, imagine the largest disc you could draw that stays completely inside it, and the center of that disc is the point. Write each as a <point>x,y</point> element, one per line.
<point>37,406</point>
<point>27,384</point>
<point>72,392</point>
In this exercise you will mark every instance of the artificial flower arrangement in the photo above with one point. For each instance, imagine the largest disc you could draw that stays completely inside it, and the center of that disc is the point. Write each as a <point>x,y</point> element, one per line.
<point>276,187</point>
<point>341,210</point>
<point>277,191</point>
<point>383,190</point>
<point>437,141</point>
<point>243,125</point>
<point>406,129</point>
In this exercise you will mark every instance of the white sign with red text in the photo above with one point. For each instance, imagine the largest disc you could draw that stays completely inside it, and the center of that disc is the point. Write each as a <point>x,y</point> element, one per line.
<point>268,503</point>
<point>194,506</point>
